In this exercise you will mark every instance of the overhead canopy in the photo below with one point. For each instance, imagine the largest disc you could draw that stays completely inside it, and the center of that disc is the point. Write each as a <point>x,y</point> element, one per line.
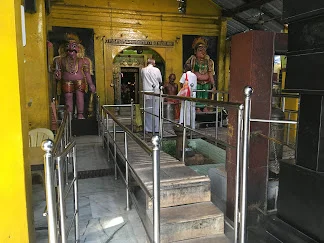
<point>246,15</point>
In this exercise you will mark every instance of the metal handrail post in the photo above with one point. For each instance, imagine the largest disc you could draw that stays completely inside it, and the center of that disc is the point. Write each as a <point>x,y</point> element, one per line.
<point>108,135</point>
<point>76,196</point>
<point>216,124</point>
<point>101,125</point>
<point>221,117</point>
<point>126,174</point>
<point>98,114</point>
<point>61,199</point>
<point>238,161</point>
<point>184,131</point>
<point>144,115</point>
<point>115,150</point>
<point>65,135</point>
<point>153,112</point>
<point>245,160</point>
<point>283,103</point>
<point>47,146</point>
<point>191,117</point>
<point>156,189</point>
<point>161,113</point>
<point>132,115</point>
<point>288,128</point>
<point>70,126</point>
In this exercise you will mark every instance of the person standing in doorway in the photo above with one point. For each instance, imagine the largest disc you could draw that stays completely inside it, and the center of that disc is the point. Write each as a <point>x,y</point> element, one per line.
<point>190,111</point>
<point>152,79</point>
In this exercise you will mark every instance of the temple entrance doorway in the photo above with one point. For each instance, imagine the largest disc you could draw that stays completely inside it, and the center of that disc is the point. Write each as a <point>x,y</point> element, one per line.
<point>129,85</point>
<point>127,65</point>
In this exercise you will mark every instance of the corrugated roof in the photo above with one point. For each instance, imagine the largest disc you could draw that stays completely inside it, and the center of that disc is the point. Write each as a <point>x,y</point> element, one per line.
<point>253,14</point>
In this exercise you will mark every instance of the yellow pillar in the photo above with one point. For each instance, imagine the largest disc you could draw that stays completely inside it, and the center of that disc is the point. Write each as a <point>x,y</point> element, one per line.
<point>36,68</point>
<point>16,222</point>
<point>221,54</point>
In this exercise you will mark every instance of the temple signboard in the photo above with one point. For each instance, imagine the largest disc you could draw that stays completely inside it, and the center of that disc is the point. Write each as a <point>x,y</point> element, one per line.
<point>124,42</point>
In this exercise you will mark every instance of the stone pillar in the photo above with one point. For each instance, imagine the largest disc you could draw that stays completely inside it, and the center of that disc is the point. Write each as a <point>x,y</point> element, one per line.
<point>178,130</point>
<point>251,64</point>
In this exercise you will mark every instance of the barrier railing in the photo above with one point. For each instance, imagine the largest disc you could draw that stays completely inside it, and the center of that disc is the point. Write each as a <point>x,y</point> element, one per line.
<point>186,101</point>
<point>242,147</point>
<point>283,96</point>
<point>229,105</point>
<point>108,116</point>
<point>245,160</point>
<point>59,155</point>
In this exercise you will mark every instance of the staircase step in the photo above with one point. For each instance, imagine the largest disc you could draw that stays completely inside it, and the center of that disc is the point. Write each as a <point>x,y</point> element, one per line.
<point>285,232</point>
<point>260,235</point>
<point>190,221</point>
<point>209,239</point>
<point>179,185</point>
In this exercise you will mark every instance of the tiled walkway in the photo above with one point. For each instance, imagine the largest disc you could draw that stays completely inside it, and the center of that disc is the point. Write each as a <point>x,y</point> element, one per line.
<point>103,215</point>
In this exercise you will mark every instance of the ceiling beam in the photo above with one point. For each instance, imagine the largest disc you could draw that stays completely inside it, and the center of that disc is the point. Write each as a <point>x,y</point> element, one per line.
<point>272,16</point>
<point>244,7</point>
<point>247,24</point>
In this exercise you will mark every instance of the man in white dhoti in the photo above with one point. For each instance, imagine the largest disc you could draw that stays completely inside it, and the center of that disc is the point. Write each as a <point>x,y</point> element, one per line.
<point>190,112</point>
<point>152,79</point>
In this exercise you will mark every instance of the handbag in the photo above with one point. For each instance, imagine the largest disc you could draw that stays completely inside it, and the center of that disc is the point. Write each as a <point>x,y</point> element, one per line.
<point>185,90</point>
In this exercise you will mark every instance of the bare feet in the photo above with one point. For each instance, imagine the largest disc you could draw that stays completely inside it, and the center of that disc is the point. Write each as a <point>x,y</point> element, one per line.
<point>80,116</point>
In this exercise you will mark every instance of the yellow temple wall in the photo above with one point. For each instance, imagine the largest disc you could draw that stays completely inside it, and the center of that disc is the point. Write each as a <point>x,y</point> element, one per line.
<point>36,71</point>
<point>16,223</point>
<point>140,20</point>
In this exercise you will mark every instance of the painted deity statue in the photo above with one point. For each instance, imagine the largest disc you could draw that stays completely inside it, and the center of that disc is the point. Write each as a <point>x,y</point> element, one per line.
<point>203,66</point>
<point>171,88</point>
<point>73,70</point>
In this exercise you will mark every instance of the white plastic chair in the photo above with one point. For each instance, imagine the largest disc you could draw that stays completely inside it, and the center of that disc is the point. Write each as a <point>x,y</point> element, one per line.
<point>38,135</point>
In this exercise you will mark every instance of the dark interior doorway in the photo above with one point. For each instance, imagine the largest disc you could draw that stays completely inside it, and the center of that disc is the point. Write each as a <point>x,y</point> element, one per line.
<point>129,85</point>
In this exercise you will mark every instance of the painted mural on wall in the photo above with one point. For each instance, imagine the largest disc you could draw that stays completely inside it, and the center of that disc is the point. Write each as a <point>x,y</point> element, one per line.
<point>73,69</point>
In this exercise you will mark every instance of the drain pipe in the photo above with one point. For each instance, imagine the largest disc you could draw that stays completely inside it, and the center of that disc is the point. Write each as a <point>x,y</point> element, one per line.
<point>246,144</point>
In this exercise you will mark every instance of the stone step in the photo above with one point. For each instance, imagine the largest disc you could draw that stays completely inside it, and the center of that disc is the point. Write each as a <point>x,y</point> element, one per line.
<point>190,221</point>
<point>209,239</point>
<point>179,185</point>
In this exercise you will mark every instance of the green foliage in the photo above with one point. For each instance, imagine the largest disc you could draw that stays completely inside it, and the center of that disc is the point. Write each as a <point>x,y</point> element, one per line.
<point>169,147</point>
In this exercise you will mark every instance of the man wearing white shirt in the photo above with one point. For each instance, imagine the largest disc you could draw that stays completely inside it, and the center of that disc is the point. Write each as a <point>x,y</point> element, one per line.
<point>152,79</point>
<point>191,110</point>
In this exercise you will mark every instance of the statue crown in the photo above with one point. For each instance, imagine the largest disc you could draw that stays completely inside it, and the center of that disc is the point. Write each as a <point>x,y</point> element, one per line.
<point>199,41</point>
<point>72,37</point>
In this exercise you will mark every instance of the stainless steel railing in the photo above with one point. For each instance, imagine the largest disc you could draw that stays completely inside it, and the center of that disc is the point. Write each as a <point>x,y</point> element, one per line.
<point>242,148</point>
<point>59,155</point>
<point>112,150</point>
<point>241,234</point>
<point>239,143</point>
<point>187,101</point>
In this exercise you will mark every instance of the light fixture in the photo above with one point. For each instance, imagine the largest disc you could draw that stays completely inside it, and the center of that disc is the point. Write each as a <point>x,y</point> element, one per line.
<point>182,6</point>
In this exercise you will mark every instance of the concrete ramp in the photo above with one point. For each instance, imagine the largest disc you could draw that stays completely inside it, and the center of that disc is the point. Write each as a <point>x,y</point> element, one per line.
<point>187,213</point>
